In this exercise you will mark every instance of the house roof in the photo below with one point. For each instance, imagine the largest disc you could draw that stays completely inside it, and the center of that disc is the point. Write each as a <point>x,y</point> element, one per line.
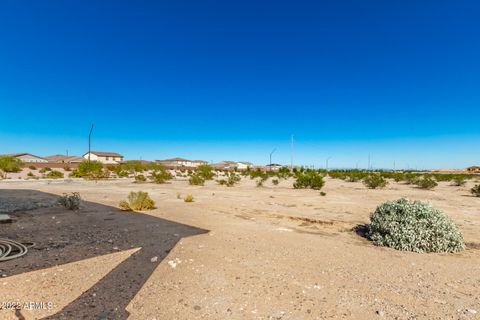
<point>19,155</point>
<point>105,154</point>
<point>177,159</point>
<point>64,158</point>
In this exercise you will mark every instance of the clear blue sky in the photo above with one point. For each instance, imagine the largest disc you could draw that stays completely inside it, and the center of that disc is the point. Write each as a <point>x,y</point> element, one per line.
<point>219,80</point>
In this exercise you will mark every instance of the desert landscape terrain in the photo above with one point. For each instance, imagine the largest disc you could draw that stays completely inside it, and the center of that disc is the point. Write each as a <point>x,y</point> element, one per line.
<point>242,252</point>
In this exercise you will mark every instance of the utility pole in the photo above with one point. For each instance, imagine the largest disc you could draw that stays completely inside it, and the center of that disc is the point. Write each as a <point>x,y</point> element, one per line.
<point>368,168</point>
<point>67,152</point>
<point>394,165</point>
<point>291,153</point>
<point>356,165</point>
<point>89,142</point>
<point>271,153</point>
<point>326,163</point>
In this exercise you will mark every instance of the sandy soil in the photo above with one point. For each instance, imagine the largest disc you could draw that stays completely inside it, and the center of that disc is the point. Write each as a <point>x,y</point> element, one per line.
<point>234,253</point>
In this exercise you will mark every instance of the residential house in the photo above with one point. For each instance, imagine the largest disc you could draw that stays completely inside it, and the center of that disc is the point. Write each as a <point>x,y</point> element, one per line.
<point>104,157</point>
<point>60,158</point>
<point>181,162</point>
<point>244,165</point>
<point>474,169</point>
<point>26,157</point>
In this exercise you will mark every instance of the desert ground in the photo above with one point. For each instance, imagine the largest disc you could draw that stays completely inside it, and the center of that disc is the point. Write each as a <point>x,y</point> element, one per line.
<point>243,252</point>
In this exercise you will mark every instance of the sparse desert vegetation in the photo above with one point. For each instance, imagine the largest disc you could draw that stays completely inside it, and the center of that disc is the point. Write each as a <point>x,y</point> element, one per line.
<point>137,201</point>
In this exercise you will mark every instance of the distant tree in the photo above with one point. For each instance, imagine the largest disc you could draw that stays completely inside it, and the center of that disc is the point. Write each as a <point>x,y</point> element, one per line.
<point>90,170</point>
<point>10,164</point>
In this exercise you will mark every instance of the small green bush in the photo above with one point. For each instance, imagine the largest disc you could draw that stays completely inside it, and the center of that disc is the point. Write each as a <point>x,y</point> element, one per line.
<point>275,182</point>
<point>45,169</point>
<point>308,179</point>
<point>9,164</point>
<point>414,226</point>
<point>259,183</point>
<point>426,183</point>
<point>196,180</point>
<point>30,174</point>
<point>137,201</point>
<point>222,182</point>
<point>459,181</point>
<point>140,178</point>
<point>188,198</point>
<point>323,194</point>
<point>31,167</point>
<point>90,170</point>
<point>476,190</point>
<point>205,172</point>
<point>161,176</point>
<point>55,174</point>
<point>375,181</point>
<point>70,201</point>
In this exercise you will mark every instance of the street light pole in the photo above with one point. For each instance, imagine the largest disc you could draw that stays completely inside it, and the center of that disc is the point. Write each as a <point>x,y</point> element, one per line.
<point>89,142</point>
<point>326,163</point>
<point>271,153</point>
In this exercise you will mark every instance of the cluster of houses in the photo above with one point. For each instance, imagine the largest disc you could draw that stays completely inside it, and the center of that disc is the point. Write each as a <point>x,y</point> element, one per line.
<point>116,158</point>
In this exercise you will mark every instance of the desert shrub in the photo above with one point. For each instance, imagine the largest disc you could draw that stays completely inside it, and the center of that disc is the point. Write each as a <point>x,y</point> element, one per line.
<point>308,179</point>
<point>67,168</point>
<point>30,174</point>
<point>426,183</point>
<point>476,190</point>
<point>375,181</point>
<point>140,178</point>
<point>232,179</point>
<point>179,195</point>
<point>275,182</point>
<point>354,176</point>
<point>55,174</point>
<point>323,194</point>
<point>205,172</point>
<point>398,176</point>
<point>70,201</point>
<point>45,169</point>
<point>414,226</point>
<point>90,170</point>
<point>259,183</point>
<point>161,175</point>
<point>459,181</point>
<point>132,166</point>
<point>196,180</point>
<point>222,182</point>
<point>188,198</point>
<point>410,178</point>
<point>137,201</point>
<point>31,167</point>
<point>9,164</point>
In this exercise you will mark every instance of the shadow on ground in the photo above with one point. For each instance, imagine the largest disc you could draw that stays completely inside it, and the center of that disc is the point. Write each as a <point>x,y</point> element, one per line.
<point>62,236</point>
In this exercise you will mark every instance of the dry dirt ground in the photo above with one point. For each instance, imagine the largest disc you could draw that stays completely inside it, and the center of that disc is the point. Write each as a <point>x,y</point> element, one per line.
<point>234,253</point>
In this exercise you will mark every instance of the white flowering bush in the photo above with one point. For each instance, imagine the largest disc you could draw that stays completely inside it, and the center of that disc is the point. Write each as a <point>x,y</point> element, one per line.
<point>414,226</point>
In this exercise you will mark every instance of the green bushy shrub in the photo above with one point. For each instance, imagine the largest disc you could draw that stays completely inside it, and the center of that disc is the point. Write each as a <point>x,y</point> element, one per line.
<point>32,167</point>
<point>476,190</point>
<point>188,198</point>
<point>137,201</point>
<point>426,183</point>
<point>414,226</point>
<point>9,164</point>
<point>205,172</point>
<point>196,180</point>
<point>375,181</point>
<point>90,170</point>
<point>459,181</point>
<point>45,169</point>
<point>308,179</point>
<point>161,175</point>
<point>275,182</point>
<point>140,178</point>
<point>70,201</point>
<point>55,174</point>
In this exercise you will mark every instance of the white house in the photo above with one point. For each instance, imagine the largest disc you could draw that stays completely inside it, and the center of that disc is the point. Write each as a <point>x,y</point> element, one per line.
<point>104,157</point>
<point>244,165</point>
<point>26,157</point>
<point>181,162</point>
